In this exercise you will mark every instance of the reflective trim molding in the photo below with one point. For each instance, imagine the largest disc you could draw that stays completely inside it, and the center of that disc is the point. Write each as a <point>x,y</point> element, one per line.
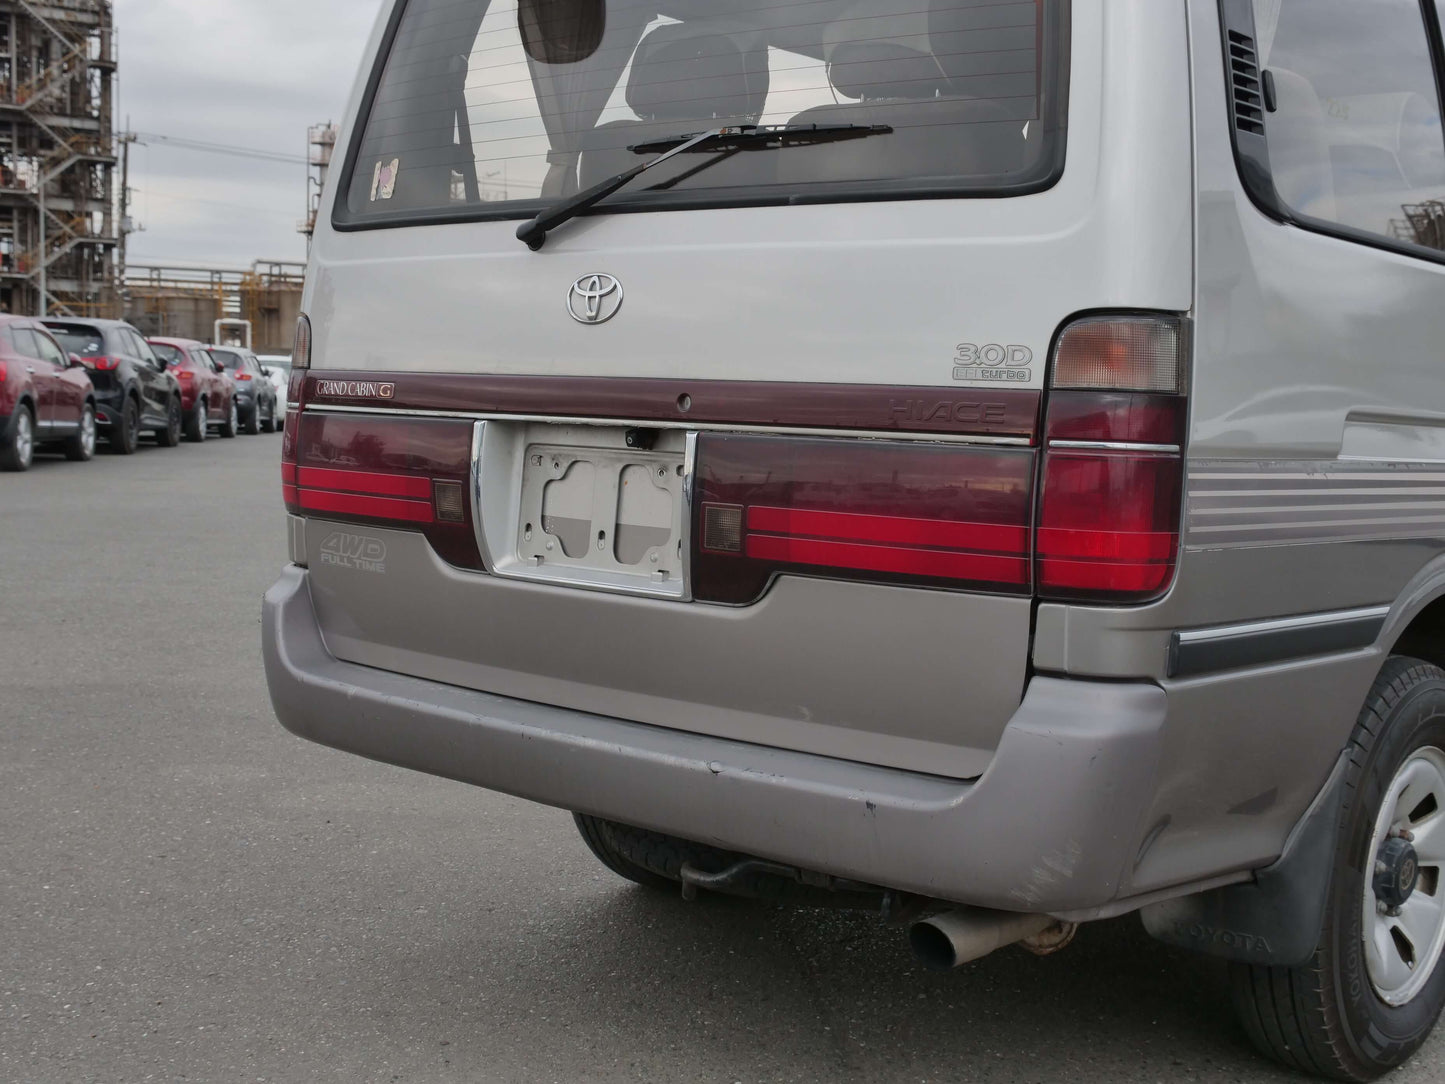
<point>1239,505</point>
<point>1225,647</point>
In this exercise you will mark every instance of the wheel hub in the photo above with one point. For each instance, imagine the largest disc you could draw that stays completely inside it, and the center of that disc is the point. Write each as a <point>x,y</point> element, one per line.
<point>1397,873</point>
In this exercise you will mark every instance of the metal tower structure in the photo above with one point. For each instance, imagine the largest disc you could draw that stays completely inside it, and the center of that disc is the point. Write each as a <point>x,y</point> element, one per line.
<point>58,227</point>
<point>320,145</point>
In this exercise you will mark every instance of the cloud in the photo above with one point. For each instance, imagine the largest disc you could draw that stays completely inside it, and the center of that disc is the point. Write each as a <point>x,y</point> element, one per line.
<point>251,73</point>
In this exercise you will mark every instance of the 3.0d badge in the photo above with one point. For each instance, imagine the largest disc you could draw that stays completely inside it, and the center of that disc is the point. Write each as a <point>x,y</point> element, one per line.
<point>594,299</point>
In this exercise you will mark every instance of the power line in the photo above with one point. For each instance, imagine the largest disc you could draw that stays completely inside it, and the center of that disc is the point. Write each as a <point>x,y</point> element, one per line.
<point>221,148</point>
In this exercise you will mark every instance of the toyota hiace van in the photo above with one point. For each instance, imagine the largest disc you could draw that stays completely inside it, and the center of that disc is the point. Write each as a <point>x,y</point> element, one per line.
<point>982,460</point>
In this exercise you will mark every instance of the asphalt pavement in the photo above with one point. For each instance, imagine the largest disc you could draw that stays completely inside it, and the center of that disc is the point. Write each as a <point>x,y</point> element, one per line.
<point>187,892</point>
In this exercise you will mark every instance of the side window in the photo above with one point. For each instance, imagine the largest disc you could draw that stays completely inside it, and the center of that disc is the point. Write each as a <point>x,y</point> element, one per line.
<point>1355,137</point>
<point>141,348</point>
<point>25,343</point>
<point>48,350</point>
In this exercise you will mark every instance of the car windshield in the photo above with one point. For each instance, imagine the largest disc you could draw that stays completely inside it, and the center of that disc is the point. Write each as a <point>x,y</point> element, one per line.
<point>229,359</point>
<point>78,339</point>
<point>554,96</point>
<point>171,355</point>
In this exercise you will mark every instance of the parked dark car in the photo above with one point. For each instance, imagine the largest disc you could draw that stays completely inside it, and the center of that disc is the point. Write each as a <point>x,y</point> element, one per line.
<point>255,395</point>
<point>208,395</point>
<point>133,392</point>
<point>45,396</point>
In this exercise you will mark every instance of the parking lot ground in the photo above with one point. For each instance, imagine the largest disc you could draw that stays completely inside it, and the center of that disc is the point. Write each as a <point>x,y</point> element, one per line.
<point>189,893</point>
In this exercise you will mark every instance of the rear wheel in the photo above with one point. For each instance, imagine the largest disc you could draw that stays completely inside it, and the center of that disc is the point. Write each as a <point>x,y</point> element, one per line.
<point>81,447</point>
<point>228,427</point>
<point>252,420</point>
<point>1375,988</point>
<point>18,451</point>
<point>170,436</point>
<point>196,423</point>
<point>268,423</point>
<point>125,431</point>
<point>598,835</point>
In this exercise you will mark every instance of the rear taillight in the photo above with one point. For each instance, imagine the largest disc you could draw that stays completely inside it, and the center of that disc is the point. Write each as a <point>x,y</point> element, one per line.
<point>406,473</point>
<point>185,374</point>
<point>103,364</point>
<point>301,348</point>
<point>1112,478</point>
<point>243,376</point>
<point>902,512</point>
<point>4,371</point>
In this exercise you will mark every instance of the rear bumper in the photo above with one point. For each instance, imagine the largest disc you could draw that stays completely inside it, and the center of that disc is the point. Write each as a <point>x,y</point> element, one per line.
<point>1054,825</point>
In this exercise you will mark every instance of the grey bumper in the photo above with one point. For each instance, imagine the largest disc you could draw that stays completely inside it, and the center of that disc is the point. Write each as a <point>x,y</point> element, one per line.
<point>1054,825</point>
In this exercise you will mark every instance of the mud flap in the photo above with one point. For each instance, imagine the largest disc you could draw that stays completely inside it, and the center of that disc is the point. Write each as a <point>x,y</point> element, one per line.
<point>1274,920</point>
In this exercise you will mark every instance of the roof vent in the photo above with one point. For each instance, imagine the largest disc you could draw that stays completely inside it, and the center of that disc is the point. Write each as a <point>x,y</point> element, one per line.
<point>1246,89</point>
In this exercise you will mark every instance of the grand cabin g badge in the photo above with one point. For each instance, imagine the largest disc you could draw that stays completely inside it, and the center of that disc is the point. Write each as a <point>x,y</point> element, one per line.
<point>355,389</point>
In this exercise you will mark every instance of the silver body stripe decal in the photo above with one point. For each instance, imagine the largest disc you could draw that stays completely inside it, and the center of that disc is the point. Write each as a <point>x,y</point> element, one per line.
<point>1245,505</point>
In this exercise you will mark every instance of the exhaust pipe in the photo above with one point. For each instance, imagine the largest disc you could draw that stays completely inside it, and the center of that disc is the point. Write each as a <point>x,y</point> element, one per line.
<point>959,937</point>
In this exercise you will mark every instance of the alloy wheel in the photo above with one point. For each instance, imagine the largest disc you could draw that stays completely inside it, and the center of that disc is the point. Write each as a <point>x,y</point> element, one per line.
<point>24,438</point>
<point>87,432</point>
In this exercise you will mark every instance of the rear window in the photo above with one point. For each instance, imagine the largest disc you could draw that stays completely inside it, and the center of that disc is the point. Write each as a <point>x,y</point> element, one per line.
<point>78,339</point>
<point>171,355</point>
<point>496,108</point>
<point>229,359</point>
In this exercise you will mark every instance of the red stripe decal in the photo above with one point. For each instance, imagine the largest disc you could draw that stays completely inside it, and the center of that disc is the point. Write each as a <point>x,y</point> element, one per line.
<point>355,481</point>
<point>348,504</point>
<point>894,530</point>
<point>913,562</point>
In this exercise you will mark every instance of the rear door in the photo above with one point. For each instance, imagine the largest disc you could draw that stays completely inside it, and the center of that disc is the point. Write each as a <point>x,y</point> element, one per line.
<point>758,434</point>
<point>42,375</point>
<point>68,397</point>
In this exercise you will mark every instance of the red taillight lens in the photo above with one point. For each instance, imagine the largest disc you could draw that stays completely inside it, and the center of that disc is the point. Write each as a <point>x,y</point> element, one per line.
<point>185,374</point>
<point>243,376</point>
<point>1112,479</point>
<point>301,348</point>
<point>400,473</point>
<point>103,364</point>
<point>4,372</point>
<point>864,509</point>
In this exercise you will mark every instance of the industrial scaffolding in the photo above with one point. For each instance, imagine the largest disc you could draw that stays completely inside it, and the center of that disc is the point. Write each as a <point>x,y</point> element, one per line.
<point>58,227</point>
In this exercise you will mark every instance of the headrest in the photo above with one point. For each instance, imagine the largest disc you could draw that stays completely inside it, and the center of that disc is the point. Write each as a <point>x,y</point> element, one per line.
<point>970,37</point>
<point>684,74</point>
<point>884,69</point>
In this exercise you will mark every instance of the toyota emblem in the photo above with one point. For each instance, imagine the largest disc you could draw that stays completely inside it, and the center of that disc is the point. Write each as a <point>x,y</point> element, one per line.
<point>594,299</point>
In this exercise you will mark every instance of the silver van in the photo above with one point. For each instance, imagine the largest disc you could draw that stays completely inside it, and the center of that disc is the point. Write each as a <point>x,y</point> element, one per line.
<point>982,460</point>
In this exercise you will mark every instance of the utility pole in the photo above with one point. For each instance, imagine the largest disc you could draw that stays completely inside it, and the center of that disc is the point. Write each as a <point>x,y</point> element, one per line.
<point>127,138</point>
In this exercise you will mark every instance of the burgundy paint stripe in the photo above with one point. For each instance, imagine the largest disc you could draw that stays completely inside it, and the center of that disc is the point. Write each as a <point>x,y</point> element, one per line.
<point>1004,412</point>
<point>357,481</point>
<point>347,504</point>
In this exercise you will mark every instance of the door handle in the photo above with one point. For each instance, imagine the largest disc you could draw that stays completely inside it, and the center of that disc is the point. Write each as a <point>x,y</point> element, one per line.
<point>30,368</point>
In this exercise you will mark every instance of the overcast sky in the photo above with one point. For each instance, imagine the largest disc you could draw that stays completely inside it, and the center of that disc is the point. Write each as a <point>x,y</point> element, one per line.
<point>251,73</point>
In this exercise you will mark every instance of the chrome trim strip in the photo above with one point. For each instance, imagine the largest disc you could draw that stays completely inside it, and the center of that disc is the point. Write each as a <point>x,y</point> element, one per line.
<point>1282,624</point>
<point>689,491</point>
<point>1115,446</point>
<point>713,427</point>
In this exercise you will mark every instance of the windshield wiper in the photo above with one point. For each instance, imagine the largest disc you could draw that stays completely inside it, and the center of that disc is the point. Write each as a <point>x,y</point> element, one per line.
<point>744,137</point>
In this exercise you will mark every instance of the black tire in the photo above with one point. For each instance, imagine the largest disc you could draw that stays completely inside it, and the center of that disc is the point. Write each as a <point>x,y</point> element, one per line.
<point>227,428</point>
<point>251,423</point>
<point>196,423</point>
<point>597,834</point>
<point>16,454</point>
<point>268,423</point>
<point>170,436</point>
<point>1326,1018</point>
<point>656,860</point>
<point>124,437</point>
<point>81,447</point>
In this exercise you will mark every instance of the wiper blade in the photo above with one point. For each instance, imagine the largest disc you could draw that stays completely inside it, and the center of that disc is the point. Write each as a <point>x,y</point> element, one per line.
<point>749,137</point>
<point>745,137</point>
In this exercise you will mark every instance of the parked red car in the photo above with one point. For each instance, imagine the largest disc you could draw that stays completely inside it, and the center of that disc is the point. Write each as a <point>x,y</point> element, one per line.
<point>208,397</point>
<point>45,396</point>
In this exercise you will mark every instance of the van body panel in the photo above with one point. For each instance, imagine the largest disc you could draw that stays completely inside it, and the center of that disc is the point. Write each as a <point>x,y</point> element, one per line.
<point>914,679</point>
